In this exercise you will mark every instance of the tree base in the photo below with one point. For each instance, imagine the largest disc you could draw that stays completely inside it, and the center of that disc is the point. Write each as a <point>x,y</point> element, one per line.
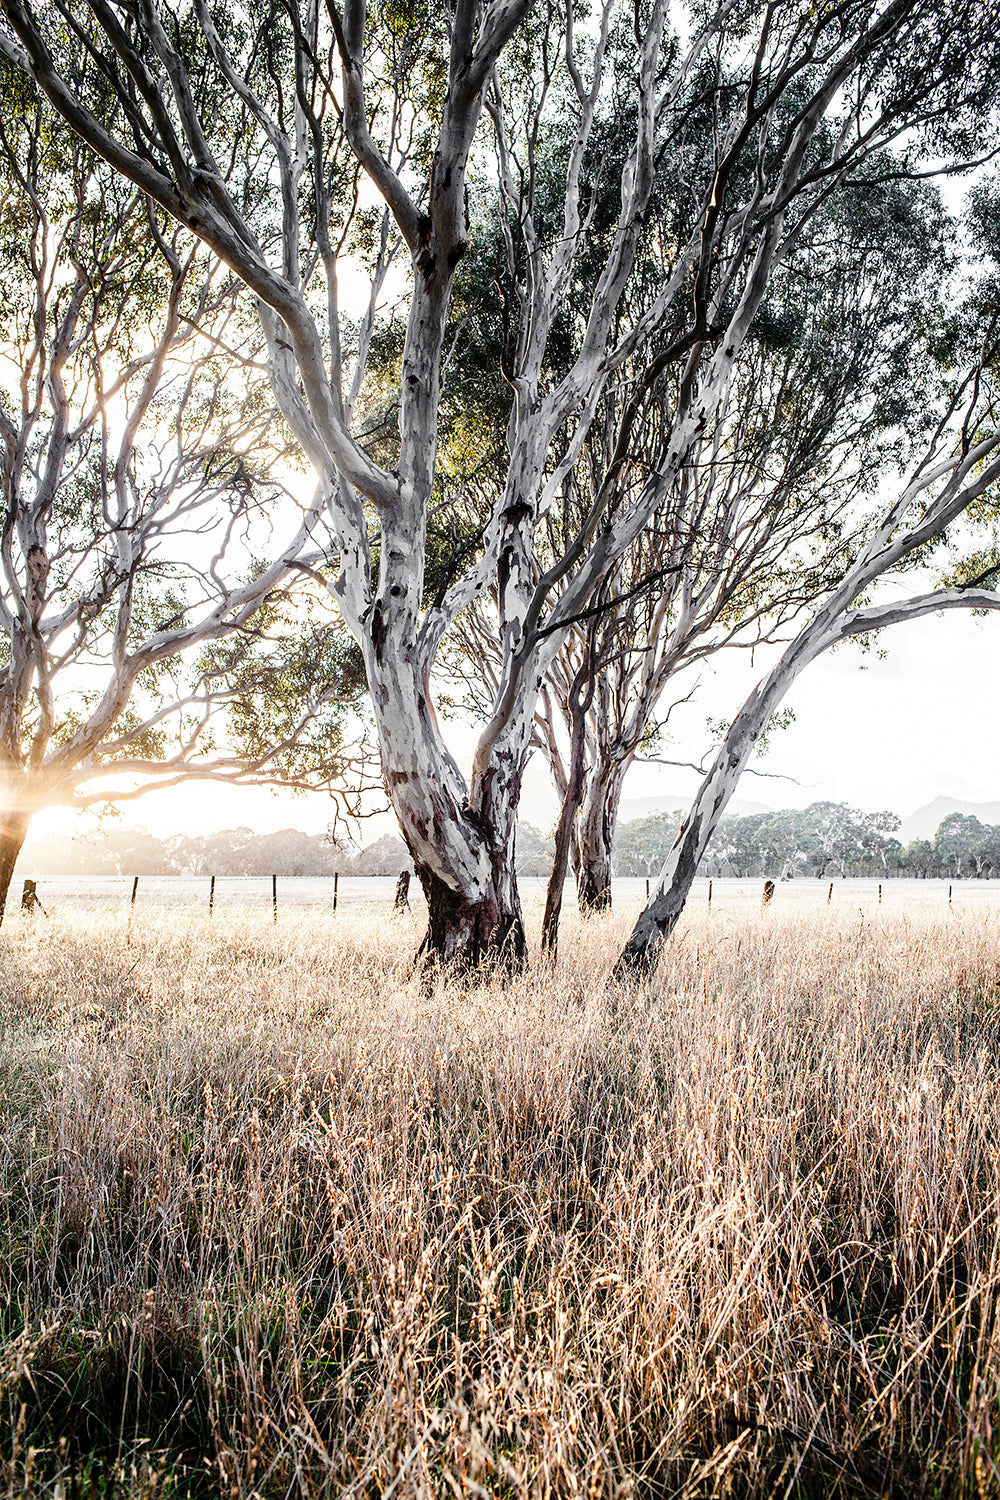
<point>471,936</point>
<point>643,951</point>
<point>593,889</point>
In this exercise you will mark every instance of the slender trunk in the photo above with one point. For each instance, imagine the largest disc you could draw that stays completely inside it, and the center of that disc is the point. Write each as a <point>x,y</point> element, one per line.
<point>598,822</point>
<point>13,829</point>
<point>665,905</point>
<point>660,916</point>
<point>565,840</point>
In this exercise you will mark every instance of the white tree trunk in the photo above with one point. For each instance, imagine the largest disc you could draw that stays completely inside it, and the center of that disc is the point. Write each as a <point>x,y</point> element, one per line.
<point>667,901</point>
<point>462,850</point>
<point>13,830</point>
<point>596,834</point>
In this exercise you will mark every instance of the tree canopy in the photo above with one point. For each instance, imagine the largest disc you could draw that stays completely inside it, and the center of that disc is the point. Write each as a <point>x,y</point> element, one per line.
<point>294,141</point>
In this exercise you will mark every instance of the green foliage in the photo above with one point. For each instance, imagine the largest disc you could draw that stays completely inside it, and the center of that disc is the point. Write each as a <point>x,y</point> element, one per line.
<point>843,361</point>
<point>134,736</point>
<point>823,839</point>
<point>965,846</point>
<point>642,844</point>
<point>781,719</point>
<point>534,851</point>
<point>296,691</point>
<point>826,836</point>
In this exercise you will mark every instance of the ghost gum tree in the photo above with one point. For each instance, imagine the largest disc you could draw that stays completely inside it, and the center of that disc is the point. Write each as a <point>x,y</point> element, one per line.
<point>765,513</point>
<point>245,125</point>
<point>135,490</point>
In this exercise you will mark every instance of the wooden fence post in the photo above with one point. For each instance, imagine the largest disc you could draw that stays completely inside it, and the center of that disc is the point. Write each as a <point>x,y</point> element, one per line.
<point>29,898</point>
<point>768,892</point>
<point>647,887</point>
<point>211,897</point>
<point>402,898</point>
<point>274,895</point>
<point>880,895</point>
<point>131,908</point>
<point>829,894</point>
<point>709,893</point>
<point>336,879</point>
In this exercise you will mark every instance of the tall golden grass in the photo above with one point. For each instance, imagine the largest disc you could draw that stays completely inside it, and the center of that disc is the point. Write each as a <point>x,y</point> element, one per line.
<point>280,1220</point>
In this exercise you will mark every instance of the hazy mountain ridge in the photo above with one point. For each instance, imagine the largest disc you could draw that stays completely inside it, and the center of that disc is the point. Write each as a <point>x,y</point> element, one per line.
<point>924,823</point>
<point>646,807</point>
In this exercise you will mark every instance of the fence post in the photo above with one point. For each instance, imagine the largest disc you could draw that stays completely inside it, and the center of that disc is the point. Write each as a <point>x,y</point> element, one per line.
<point>274,895</point>
<point>880,895</point>
<point>829,894</point>
<point>709,893</point>
<point>949,895</point>
<point>29,899</point>
<point>402,900</point>
<point>131,907</point>
<point>211,897</point>
<point>768,892</point>
<point>647,887</point>
<point>336,878</point>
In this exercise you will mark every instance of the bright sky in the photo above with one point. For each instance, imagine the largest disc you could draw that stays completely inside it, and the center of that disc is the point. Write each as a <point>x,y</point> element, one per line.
<point>893,733</point>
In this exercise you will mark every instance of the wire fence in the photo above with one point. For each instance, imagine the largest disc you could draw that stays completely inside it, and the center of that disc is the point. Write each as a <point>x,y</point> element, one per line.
<point>216,896</point>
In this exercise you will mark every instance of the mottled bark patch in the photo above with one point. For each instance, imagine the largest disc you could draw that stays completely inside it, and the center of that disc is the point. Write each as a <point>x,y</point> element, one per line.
<point>471,935</point>
<point>594,888</point>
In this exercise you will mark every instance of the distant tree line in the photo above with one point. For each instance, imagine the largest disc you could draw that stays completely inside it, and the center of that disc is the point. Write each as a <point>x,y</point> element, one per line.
<point>232,851</point>
<point>239,851</point>
<point>824,839</point>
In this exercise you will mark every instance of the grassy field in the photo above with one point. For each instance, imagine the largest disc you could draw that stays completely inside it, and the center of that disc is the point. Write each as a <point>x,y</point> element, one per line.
<point>277,1220</point>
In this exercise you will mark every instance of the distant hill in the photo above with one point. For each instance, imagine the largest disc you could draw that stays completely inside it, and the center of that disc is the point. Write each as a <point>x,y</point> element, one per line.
<point>645,807</point>
<point>923,824</point>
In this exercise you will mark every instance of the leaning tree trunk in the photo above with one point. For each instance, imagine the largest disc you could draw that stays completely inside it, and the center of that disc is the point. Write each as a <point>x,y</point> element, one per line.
<point>659,918</point>
<point>596,837</point>
<point>13,829</point>
<point>834,621</point>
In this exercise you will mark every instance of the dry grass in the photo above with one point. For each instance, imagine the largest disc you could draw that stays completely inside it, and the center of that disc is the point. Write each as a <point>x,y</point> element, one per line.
<point>277,1222</point>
